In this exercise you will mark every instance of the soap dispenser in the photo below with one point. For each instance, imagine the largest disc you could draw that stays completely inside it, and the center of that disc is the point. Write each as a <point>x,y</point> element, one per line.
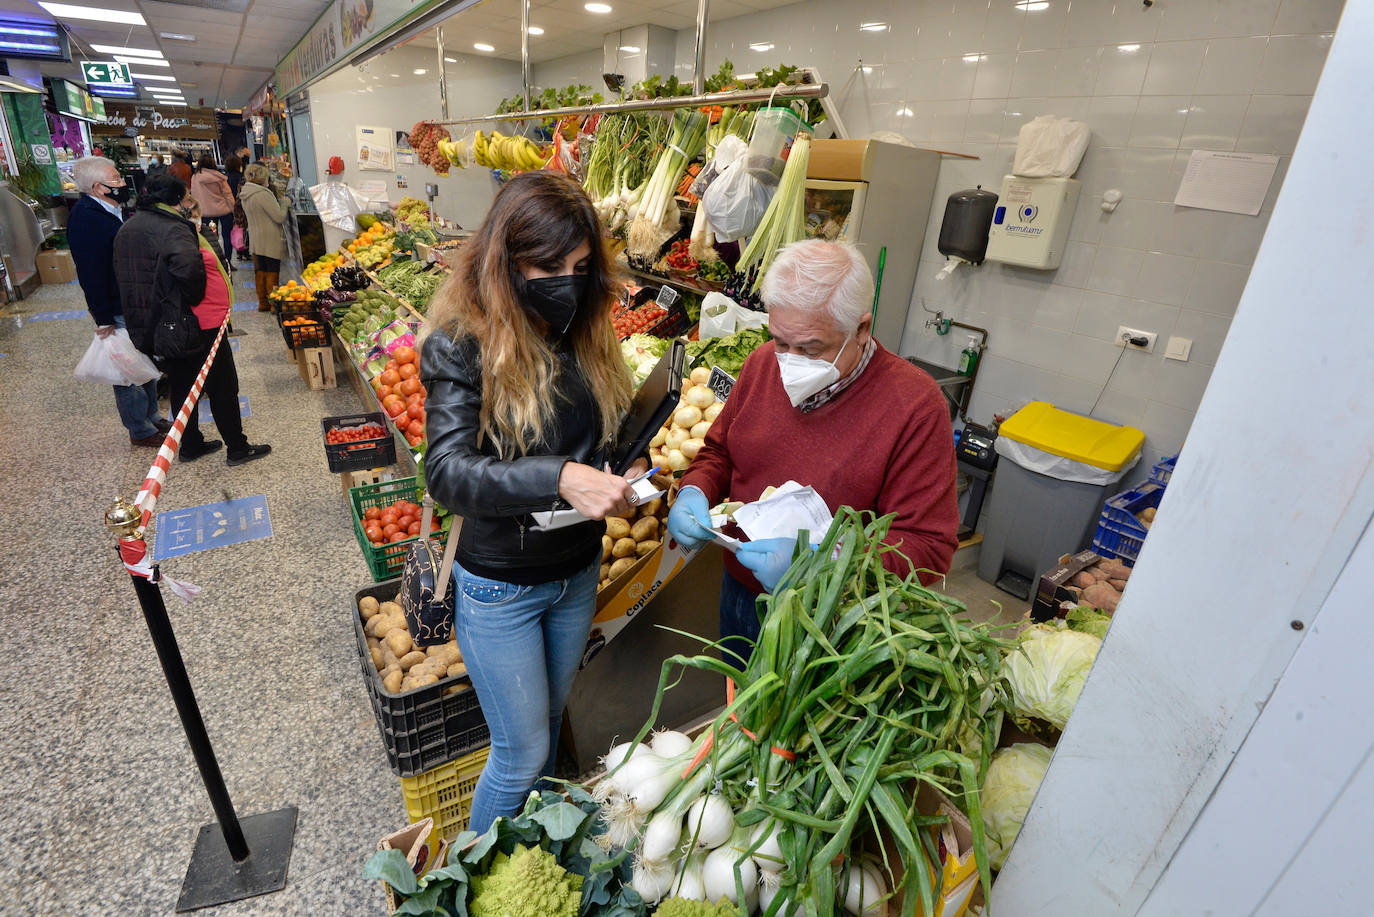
<point>968,358</point>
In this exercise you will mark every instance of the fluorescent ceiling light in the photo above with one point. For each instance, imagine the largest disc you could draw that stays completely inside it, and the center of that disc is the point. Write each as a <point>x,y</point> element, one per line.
<point>536,30</point>
<point>155,77</point>
<point>142,61</point>
<point>483,46</point>
<point>190,85</point>
<point>176,36</point>
<point>974,58</point>
<point>171,90</point>
<point>1128,49</point>
<point>132,52</point>
<point>600,8</point>
<point>904,113</point>
<point>93,13</point>
<point>874,27</point>
<point>182,104</point>
<point>451,60</point>
<point>419,71</point>
<point>629,49</point>
<point>1032,6</point>
<point>761,46</point>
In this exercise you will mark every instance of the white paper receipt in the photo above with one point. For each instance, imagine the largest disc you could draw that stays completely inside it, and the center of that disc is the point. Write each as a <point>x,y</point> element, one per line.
<point>785,512</point>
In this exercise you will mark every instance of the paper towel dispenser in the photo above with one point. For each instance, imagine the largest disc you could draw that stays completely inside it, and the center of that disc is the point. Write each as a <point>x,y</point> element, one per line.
<point>964,230</point>
<point>1030,224</point>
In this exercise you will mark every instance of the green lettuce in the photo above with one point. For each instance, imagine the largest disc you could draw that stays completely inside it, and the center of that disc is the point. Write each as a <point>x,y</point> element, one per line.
<point>1046,672</point>
<point>1013,777</point>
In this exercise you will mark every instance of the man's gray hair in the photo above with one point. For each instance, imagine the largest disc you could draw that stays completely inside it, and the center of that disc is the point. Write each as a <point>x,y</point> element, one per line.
<point>830,278</point>
<point>89,171</point>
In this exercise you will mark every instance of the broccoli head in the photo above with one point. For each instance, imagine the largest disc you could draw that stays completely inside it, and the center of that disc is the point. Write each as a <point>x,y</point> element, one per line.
<point>528,882</point>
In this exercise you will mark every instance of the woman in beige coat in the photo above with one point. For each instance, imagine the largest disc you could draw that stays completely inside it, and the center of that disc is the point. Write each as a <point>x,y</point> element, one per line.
<point>265,217</point>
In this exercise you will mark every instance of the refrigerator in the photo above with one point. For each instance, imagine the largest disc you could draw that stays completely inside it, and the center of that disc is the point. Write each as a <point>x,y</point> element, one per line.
<point>875,195</point>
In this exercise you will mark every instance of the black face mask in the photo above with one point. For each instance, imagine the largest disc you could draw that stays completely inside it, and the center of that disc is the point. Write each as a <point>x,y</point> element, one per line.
<point>120,194</point>
<point>555,299</point>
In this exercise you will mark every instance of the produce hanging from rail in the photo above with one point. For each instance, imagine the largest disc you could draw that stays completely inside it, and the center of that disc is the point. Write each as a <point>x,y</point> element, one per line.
<point>784,222</point>
<point>424,140</point>
<point>657,219</point>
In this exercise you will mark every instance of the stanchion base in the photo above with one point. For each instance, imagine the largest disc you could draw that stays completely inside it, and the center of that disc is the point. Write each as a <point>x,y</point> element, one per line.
<point>214,878</point>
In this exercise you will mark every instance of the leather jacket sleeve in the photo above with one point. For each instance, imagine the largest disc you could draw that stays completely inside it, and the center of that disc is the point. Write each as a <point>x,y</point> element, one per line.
<point>464,477</point>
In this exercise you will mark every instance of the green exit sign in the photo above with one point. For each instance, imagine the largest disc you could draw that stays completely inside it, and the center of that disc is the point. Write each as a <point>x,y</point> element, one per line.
<point>103,73</point>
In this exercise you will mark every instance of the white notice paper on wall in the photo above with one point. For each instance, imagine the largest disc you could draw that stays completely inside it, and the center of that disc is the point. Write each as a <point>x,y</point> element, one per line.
<point>375,148</point>
<point>1231,182</point>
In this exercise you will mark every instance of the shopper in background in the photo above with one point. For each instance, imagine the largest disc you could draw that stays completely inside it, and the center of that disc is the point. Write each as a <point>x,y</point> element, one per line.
<point>94,221</point>
<point>162,275</point>
<point>826,405</point>
<point>156,166</point>
<point>211,189</point>
<point>265,214</point>
<point>526,387</point>
<point>180,167</point>
<point>233,170</point>
<point>244,154</point>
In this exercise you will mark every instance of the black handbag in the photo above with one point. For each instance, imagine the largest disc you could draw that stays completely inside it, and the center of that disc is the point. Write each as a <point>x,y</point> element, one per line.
<point>427,584</point>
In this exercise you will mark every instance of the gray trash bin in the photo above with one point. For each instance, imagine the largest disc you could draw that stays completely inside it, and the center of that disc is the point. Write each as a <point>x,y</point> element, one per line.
<point>1044,505</point>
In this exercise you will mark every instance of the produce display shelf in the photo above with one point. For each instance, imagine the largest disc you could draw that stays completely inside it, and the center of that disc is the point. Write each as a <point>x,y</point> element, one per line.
<point>377,282</point>
<point>694,286</point>
<point>405,456</point>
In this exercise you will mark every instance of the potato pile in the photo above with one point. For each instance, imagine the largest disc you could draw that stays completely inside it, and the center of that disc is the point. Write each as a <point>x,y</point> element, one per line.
<point>635,534</point>
<point>681,438</point>
<point>1101,584</point>
<point>1146,517</point>
<point>402,665</point>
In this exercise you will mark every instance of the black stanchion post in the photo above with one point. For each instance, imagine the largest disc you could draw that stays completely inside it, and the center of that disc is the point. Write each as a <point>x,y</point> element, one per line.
<point>232,860</point>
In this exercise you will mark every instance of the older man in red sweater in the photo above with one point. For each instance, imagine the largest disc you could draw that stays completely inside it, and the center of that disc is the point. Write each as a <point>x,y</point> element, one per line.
<point>824,404</point>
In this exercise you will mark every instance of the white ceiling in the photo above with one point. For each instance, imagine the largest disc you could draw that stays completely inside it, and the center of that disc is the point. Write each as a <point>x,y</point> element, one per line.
<point>236,48</point>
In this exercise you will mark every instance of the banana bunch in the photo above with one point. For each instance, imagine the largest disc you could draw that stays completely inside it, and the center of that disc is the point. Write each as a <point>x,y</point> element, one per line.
<point>456,152</point>
<point>514,154</point>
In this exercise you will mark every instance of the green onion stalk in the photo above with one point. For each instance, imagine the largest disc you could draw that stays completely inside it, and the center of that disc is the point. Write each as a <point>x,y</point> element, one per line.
<point>862,685</point>
<point>685,142</point>
<point>784,222</point>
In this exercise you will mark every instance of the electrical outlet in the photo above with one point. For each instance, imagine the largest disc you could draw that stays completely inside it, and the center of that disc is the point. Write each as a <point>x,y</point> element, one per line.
<point>1125,336</point>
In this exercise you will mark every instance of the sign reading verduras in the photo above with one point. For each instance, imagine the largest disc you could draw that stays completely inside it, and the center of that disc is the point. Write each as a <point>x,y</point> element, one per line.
<point>178,124</point>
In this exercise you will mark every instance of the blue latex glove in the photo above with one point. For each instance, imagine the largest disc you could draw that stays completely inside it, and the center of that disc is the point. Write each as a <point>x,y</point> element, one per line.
<point>689,521</point>
<point>768,559</point>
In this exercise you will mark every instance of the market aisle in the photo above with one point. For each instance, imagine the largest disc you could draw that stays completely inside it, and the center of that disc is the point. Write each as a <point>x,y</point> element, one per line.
<point>104,799</point>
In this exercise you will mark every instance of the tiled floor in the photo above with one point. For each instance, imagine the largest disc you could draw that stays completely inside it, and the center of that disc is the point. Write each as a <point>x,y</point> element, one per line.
<point>103,800</point>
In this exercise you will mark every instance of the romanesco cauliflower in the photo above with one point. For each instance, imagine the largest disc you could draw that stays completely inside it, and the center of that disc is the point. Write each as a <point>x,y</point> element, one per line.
<point>683,907</point>
<point>528,882</point>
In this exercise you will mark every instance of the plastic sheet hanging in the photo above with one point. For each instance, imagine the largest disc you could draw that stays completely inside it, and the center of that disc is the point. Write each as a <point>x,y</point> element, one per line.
<point>337,204</point>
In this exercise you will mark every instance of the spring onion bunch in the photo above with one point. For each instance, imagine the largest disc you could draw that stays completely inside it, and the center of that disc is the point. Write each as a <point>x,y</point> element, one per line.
<point>685,141</point>
<point>863,684</point>
<point>784,222</point>
<point>615,172</point>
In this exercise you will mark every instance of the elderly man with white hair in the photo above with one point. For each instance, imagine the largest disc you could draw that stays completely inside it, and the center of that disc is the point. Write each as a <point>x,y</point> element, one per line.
<point>824,404</point>
<point>91,227</point>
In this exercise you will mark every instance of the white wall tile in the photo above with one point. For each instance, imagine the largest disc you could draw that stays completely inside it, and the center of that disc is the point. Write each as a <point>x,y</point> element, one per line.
<point>1165,278</point>
<point>921,77</point>
<point>1214,122</point>
<point>1076,264</point>
<point>966,25</point>
<point>1045,28</point>
<point>1167,428</point>
<point>993,80</point>
<point>932,32</point>
<point>1159,121</point>
<point>1002,28</point>
<point>1293,63</point>
<point>1215,19</point>
<point>1210,234</point>
<point>1174,67</point>
<point>1089,222</point>
<point>956,77</point>
<point>1087,23</point>
<point>1308,16</point>
<point>984,124</point>
<point>1147,175</point>
<point>946,118</point>
<point>1216,287</point>
<point>1272,124</point>
<point>1033,74</point>
<point>1135,375</point>
<point>1276,184</point>
<point>1120,409</point>
<point>1231,65</point>
<point>1102,313</point>
<point>1111,118</point>
<point>1206,331</point>
<point>1135,224</point>
<point>1115,270</point>
<point>1121,71</point>
<point>1075,71</point>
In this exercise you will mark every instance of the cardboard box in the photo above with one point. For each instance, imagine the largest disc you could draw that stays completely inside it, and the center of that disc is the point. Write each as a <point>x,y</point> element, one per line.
<point>55,266</point>
<point>1054,586</point>
<point>626,596</point>
<point>316,365</point>
<point>424,851</point>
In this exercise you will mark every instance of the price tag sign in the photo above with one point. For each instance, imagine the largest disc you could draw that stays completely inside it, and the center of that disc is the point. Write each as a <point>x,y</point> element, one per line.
<point>667,296</point>
<point>106,73</point>
<point>720,382</point>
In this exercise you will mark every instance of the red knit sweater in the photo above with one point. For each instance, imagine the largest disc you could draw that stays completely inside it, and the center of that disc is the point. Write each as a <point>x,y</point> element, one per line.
<point>884,444</point>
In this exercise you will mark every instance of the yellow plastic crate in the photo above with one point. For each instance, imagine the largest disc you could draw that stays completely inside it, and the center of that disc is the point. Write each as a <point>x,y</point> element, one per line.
<point>1073,436</point>
<point>444,793</point>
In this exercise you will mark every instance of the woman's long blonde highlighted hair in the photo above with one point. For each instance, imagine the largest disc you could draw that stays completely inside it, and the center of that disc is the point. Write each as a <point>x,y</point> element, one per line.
<point>535,221</point>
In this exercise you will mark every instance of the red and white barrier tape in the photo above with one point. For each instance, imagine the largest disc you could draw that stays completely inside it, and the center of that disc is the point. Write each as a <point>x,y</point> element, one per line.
<point>134,552</point>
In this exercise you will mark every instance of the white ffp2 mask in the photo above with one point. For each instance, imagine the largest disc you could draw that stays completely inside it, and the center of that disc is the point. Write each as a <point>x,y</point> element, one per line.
<point>803,377</point>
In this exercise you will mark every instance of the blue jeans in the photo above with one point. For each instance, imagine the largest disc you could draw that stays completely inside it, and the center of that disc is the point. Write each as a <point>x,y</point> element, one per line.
<point>137,404</point>
<point>522,646</point>
<point>739,620</point>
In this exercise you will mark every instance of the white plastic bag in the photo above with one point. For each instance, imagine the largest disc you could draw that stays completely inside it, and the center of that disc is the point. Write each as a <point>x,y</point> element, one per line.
<point>727,151</point>
<point>1050,147</point>
<point>338,205</point>
<point>114,360</point>
<point>721,316</point>
<point>737,200</point>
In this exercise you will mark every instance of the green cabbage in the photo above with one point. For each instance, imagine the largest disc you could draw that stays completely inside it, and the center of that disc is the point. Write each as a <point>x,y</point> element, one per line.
<point>1013,777</point>
<point>642,353</point>
<point>1089,620</point>
<point>1047,670</point>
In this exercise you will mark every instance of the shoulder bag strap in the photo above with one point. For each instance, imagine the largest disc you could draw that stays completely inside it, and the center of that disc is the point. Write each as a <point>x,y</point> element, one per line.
<point>450,548</point>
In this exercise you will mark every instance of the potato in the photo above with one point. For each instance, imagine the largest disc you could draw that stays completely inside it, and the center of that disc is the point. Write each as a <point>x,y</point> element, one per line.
<point>367,607</point>
<point>1102,595</point>
<point>651,508</point>
<point>373,642</point>
<point>701,375</point>
<point>605,571</point>
<point>370,628</point>
<point>606,542</point>
<point>428,678</point>
<point>646,547</point>
<point>391,608</point>
<point>377,661</point>
<point>412,659</point>
<point>400,642</point>
<point>616,528</point>
<point>1146,515</point>
<point>659,438</point>
<point>644,529</point>
<point>624,547</point>
<point>1084,579</point>
<point>620,566</point>
<point>457,670</point>
<point>388,657</point>
<point>446,654</point>
<point>1117,584</point>
<point>710,414</point>
<point>386,625</point>
<point>691,447</point>
<point>392,682</point>
<point>700,430</point>
<point>1113,568</point>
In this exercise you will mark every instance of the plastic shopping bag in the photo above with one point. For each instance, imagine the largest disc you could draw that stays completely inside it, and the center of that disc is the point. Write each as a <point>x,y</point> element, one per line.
<point>1050,147</point>
<point>737,200</point>
<point>114,360</point>
<point>722,316</point>
<point>338,205</point>
<point>238,239</point>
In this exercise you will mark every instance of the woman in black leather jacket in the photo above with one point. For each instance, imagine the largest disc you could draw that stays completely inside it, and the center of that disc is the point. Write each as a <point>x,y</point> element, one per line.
<point>526,386</point>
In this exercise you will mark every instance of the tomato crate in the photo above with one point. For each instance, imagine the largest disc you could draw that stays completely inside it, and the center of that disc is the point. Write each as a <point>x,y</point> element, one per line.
<point>445,793</point>
<point>427,727</point>
<point>314,333</point>
<point>1119,533</point>
<point>362,454</point>
<point>384,561</point>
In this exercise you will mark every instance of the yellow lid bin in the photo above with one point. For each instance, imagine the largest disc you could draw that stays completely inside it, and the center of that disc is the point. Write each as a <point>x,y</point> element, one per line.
<point>1073,436</point>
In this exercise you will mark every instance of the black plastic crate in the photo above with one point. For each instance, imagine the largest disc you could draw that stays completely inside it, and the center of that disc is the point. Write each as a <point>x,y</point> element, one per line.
<point>314,334</point>
<point>362,454</point>
<point>420,729</point>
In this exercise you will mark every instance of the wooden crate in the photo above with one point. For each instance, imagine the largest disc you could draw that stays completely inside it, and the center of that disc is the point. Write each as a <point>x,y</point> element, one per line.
<point>316,365</point>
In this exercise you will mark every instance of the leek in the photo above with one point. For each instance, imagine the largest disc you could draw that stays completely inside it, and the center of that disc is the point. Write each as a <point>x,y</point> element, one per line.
<point>784,222</point>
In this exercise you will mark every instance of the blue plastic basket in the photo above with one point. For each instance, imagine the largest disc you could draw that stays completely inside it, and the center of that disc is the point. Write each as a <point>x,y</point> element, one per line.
<point>1163,471</point>
<point>1119,533</point>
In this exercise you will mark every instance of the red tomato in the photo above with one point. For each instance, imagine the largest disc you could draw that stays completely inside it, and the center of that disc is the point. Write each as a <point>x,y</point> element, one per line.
<point>396,536</point>
<point>415,428</point>
<point>434,525</point>
<point>389,377</point>
<point>383,392</point>
<point>414,440</point>
<point>416,411</point>
<point>416,398</point>
<point>404,520</point>
<point>373,533</point>
<point>388,518</point>
<point>393,405</point>
<point>390,529</point>
<point>413,528</point>
<point>372,512</point>
<point>405,355</point>
<point>408,370</point>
